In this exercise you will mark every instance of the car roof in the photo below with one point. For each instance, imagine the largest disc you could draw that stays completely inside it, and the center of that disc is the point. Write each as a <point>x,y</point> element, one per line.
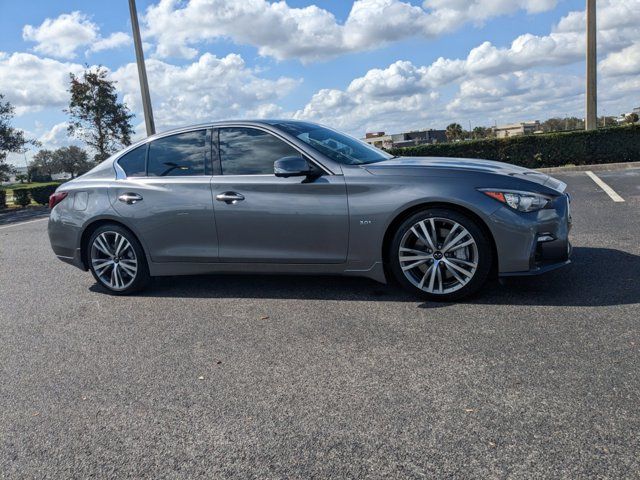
<point>257,122</point>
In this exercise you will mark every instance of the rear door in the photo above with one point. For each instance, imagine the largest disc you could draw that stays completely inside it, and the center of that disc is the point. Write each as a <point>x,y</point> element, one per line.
<point>275,220</point>
<point>168,199</point>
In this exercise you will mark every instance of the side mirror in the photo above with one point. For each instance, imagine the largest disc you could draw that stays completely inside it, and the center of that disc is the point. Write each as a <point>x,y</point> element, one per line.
<point>294,167</point>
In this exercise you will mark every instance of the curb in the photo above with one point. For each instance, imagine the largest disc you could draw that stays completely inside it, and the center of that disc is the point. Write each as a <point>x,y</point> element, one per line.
<point>593,168</point>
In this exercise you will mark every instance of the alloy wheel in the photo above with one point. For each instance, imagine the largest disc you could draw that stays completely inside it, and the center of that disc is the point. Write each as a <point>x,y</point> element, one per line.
<point>114,260</point>
<point>438,255</point>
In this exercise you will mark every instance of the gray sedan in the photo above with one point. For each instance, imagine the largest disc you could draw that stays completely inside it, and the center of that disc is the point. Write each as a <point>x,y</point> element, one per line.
<point>299,198</point>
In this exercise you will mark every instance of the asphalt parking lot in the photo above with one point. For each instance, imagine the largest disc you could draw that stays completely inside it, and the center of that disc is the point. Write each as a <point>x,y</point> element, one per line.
<point>301,377</point>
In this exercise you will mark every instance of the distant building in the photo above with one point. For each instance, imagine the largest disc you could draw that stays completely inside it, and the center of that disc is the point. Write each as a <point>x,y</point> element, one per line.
<point>517,129</point>
<point>61,176</point>
<point>407,139</point>
<point>379,140</point>
<point>623,118</point>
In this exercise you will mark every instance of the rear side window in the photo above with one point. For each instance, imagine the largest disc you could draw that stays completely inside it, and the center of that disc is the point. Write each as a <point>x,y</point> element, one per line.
<point>249,151</point>
<point>133,163</point>
<point>182,154</point>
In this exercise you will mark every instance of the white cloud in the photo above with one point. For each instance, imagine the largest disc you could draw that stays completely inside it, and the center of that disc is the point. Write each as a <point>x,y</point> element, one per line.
<point>401,97</point>
<point>451,14</point>
<point>57,137</point>
<point>518,81</point>
<point>399,94</point>
<point>115,40</point>
<point>526,96</point>
<point>624,62</point>
<point>31,83</point>
<point>493,82</point>
<point>63,36</point>
<point>612,14</point>
<point>210,88</point>
<point>564,45</point>
<point>312,33</point>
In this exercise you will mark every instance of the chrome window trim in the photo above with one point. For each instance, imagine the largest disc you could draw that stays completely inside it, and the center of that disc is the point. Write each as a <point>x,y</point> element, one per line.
<point>120,173</point>
<point>333,168</point>
<point>175,177</point>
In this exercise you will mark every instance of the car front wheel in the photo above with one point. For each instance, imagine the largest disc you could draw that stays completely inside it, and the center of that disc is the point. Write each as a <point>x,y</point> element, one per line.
<point>440,255</point>
<point>117,261</point>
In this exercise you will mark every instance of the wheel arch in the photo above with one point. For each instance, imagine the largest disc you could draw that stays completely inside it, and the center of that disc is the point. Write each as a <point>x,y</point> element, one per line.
<point>92,227</point>
<point>404,214</point>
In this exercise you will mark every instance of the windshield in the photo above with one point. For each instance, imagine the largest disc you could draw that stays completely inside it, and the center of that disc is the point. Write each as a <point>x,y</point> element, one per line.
<point>337,146</point>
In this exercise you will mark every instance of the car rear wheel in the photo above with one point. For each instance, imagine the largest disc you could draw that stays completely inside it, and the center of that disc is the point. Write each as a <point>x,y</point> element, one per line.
<point>440,255</point>
<point>117,261</point>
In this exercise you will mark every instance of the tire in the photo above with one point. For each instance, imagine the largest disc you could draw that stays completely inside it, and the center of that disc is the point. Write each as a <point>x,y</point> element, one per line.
<point>417,268</point>
<point>105,253</point>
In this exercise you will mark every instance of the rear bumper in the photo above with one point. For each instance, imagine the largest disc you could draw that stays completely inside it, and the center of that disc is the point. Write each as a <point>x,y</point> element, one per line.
<point>64,237</point>
<point>75,260</point>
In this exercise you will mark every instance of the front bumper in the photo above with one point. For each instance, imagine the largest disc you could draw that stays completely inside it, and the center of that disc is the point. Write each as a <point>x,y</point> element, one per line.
<point>542,266</point>
<point>535,243</point>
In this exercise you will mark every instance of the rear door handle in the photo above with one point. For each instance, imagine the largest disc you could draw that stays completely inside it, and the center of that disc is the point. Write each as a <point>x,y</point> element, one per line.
<point>230,198</point>
<point>130,198</point>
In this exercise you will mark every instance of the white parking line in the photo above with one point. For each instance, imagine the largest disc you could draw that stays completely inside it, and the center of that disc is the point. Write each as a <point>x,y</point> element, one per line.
<point>607,189</point>
<point>23,223</point>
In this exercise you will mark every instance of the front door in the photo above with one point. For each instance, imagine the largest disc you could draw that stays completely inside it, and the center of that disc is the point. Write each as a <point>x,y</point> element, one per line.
<point>167,199</point>
<point>265,219</point>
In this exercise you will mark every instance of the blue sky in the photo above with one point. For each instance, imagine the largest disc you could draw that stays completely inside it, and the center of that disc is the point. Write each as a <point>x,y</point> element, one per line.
<point>366,65</point>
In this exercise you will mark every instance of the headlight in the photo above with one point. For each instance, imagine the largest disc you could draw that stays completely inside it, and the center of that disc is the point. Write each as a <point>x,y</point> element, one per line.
<point>521,201</point>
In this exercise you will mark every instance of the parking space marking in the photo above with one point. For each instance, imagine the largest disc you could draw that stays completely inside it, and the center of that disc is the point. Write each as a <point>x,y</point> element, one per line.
<point>23,223</point>
<point>607,189</point>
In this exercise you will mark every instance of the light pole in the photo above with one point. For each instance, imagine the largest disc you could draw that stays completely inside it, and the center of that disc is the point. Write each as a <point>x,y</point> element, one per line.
<point>592,73</point>
<point>142,71</point>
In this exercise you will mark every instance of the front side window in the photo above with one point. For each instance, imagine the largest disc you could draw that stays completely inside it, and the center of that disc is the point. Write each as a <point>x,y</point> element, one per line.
<point>180,155</point>
<point>133,163</point>
<point>335,145</point>
<point>249,151</point>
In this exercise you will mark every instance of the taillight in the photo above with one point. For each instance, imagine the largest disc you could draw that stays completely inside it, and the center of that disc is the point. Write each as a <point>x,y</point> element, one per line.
<point>56,198</point>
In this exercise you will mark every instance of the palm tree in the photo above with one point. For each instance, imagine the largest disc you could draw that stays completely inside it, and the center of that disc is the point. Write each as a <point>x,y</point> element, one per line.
<point>454,132</point>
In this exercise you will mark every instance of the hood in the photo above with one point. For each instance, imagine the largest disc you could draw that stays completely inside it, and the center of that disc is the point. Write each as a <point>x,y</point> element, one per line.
<point>436,165</point>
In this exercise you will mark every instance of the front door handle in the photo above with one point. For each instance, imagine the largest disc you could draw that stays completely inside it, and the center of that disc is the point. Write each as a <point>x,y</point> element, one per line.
<point>230,198</point>
<point>130,198</point>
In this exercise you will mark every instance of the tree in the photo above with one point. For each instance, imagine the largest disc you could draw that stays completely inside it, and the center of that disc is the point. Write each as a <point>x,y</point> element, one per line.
<point>563,124</point>
<point>481,132</point>
<point>553,125</point>
<point>42,166</point>
<point>72,160</point>
<point>22,178</point>
<point>607,121</point>
<point>96,115</point>
<point>454,132</point>
<point>11,140</point>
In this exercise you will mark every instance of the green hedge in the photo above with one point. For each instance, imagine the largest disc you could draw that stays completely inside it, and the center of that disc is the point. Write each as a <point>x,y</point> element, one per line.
<point>21,196</point>
<point>3,198</point>
<point>41,194</point>
<point>611,145</point>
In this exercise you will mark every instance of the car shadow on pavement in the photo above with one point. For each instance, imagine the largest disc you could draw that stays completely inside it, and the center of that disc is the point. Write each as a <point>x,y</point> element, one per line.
<point>15,215</point>
<point>597,277</point>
